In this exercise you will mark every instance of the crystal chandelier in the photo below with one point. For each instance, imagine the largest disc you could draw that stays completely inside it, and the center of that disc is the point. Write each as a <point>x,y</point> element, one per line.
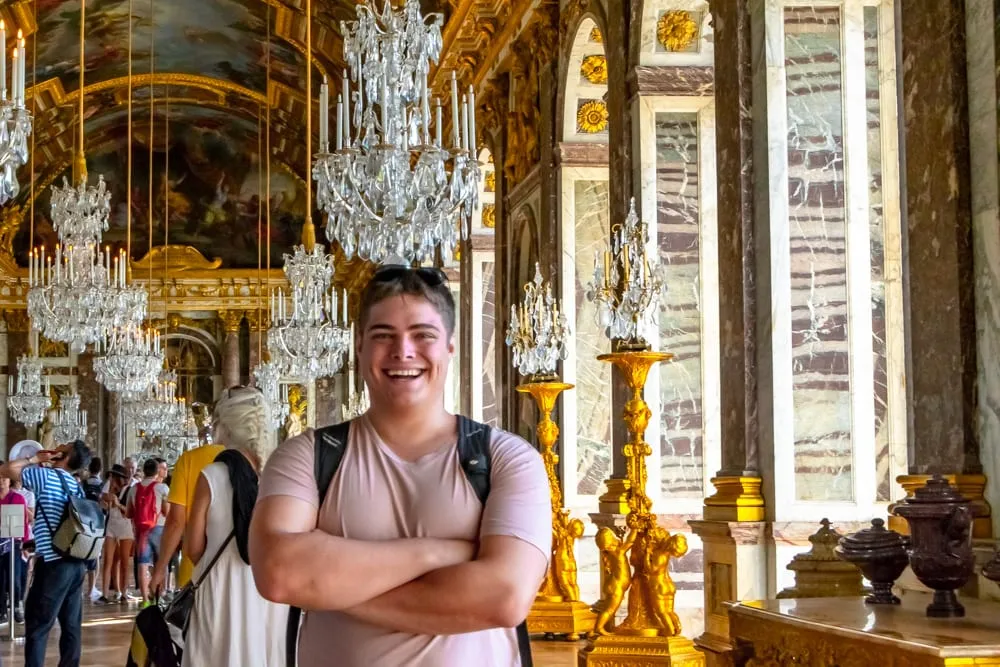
<point>357,404</point>
<point>626,287</point>
<point>268,379</point>
<point>15,119</point>
<point>81,294</point>
<point>133,360</point>
<point>537,331</point>
<point>159,409</point>
<point>305,341</point>
<point>71,421</point>
<point>27,402</point>
<point>391,186</point>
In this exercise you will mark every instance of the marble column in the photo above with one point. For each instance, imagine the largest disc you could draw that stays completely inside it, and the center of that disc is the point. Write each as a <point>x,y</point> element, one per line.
<point>939,258</point>
<point>735,552</point>
<point>938,253</point>
<point>259,323</point>
<point>18,343</point>
<point>984,60</point>
<point>622,140</point>
<point>328,399</point>
<point>116,429</point>
<point>230,346</point>
<point>92,400</point>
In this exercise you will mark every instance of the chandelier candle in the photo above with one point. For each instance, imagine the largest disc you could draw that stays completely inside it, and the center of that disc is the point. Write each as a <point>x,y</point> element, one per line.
<point>15,120</point>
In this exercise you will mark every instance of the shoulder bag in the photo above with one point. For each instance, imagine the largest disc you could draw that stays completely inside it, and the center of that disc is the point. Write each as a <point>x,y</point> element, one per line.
<point>178,612</point>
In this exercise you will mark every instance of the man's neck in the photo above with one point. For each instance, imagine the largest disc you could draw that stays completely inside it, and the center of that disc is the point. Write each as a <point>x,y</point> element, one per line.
<point>413,431</point>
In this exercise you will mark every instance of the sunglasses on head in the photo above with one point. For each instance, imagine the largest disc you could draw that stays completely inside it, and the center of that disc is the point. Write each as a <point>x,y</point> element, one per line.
<point>430,276</point>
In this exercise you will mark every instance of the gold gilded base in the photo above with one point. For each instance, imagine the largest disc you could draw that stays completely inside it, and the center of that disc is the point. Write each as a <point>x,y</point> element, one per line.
<point>620,650</point>
<point>735,499</point>
<point>572,619</point>
<point>615,500</point>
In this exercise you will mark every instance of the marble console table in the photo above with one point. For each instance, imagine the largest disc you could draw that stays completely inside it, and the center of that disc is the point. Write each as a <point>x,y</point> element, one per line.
<point>845,632</point>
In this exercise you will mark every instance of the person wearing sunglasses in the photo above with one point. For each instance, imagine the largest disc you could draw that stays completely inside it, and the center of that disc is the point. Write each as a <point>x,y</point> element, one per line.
<point>400,563</point>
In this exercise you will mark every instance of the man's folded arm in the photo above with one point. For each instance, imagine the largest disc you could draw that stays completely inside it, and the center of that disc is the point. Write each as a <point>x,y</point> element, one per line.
<point>495,590</point>
<point>295,563</point>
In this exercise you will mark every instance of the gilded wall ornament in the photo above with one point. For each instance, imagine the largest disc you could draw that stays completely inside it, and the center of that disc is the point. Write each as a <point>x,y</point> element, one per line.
<point>52,348</point>
<point>490,182</point>
<point>676,30</point>
<point>595,36</point>
<point>592,117</point>
<point>595,69</point>
<point>489,216</point>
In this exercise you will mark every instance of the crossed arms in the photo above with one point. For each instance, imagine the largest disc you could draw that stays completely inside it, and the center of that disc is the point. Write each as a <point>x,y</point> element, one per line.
<point>416,585</point>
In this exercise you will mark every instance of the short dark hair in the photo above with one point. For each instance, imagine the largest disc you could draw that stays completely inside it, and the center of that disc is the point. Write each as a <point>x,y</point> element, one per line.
<point>78,457</point>
<point>150,467</point>
<point>427,283</point>
<point>95,466</point>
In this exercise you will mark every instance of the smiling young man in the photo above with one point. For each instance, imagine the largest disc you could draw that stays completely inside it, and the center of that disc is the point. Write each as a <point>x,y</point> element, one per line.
<point>400,563</point>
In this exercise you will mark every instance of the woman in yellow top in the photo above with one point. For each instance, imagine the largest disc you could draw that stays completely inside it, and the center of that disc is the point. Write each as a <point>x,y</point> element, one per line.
<point>184,481</point>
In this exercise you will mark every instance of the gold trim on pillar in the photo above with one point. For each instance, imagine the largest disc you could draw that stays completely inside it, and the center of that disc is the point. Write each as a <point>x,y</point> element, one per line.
<point>231,320</point>
<point>17,320</point>
<point>973,487</point>
<point>735,499</point>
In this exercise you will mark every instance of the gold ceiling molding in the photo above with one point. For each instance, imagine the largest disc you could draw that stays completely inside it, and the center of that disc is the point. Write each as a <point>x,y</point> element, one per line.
<point>592,117</point>
<point>594,69</point>
<point>20,16</point>
<point>166,79</point>
<point>175,259</point>
<point>676,30</point>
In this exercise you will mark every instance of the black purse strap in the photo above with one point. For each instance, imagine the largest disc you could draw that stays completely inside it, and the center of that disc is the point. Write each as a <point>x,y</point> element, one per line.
<point>215,559</point>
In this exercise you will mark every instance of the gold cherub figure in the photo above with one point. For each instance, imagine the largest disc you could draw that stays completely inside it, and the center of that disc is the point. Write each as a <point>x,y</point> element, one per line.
<point>567,532</point>
<point>617,575</point>
<point>661,548</point>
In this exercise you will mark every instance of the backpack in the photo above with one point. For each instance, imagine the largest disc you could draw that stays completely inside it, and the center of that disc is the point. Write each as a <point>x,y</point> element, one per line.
<point>80,535</point>
<point>92,489</point>
<point>329,445</point>
<point>144,507</point>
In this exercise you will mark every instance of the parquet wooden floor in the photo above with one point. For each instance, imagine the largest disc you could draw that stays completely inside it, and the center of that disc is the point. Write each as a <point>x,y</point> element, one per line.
<point>107,631</point>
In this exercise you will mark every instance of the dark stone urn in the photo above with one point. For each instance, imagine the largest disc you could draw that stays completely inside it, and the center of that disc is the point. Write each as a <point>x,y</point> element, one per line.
<point>880,554</point>
<point>941,557</point>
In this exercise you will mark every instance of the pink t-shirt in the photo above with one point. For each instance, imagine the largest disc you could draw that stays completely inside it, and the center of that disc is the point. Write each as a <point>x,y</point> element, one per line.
<point>375,495</point>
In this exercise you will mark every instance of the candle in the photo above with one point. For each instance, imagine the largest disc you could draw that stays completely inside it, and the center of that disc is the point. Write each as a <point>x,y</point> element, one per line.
<point>385,110</point>
<point>472,122</point>
<point>324,116</point>
<point>340,123</point>
<point>31,268</point>
<point>346,92</point>
<point>607,268</point>
<point>454,110</point>
<point>437,123</point>
<point>465,124</point>
<point>426,108</point>
<point>13,76</point>
<point>3,61</point>
<point>345,306</point>
<point>625,260</point>
<point>21,62</point>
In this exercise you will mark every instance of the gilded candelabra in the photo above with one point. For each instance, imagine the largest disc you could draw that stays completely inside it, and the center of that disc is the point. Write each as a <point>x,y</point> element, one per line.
<point>537,335</point>
<point>635,567</point>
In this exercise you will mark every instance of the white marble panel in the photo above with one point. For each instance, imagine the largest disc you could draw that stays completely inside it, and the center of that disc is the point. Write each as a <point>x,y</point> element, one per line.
<point>490,384</point>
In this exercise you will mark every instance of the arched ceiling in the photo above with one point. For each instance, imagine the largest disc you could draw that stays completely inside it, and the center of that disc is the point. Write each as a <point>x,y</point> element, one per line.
<point>209,67</point>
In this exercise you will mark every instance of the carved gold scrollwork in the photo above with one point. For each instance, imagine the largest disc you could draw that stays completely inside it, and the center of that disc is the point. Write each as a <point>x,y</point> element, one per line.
<point>231,320</point>
<point>595,36</point>
<point>489,216</point>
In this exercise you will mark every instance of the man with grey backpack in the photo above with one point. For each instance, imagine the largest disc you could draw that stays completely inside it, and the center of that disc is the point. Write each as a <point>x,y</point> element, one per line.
<point>66,535</point>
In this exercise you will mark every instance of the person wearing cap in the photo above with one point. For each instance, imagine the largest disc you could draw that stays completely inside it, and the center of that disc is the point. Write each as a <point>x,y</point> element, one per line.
<point>56,591</point>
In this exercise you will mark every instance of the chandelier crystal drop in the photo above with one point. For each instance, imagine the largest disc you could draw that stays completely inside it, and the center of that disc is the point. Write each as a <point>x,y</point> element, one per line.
<point>393,185</point>
<point>81,294</point>
<point>627,288</point>
<point>133,359</point>
<point>26,400</point>
<point>267,377</point>
<point>305,340</point>
<point>537,331</point>
<point>71,421</point>
<point>80,213</point>
<point>357,404</point>
<point>15,120</point>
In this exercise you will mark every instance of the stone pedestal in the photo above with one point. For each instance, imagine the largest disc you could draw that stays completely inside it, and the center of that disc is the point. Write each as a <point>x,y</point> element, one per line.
<point>735,569</point>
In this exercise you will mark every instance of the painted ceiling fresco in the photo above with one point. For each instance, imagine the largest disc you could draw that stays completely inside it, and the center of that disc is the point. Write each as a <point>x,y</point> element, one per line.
<point>207,183</point>
<point>224,39</point>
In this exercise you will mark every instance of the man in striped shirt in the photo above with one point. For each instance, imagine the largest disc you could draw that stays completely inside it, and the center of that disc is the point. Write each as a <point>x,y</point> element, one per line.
<point>56,589</point>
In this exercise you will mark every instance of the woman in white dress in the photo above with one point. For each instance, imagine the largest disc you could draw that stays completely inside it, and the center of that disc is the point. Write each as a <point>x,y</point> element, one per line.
<point>231,624</point>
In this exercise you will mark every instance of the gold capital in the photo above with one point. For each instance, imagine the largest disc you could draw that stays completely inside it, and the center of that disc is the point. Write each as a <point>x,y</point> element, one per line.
<point>231,320</point>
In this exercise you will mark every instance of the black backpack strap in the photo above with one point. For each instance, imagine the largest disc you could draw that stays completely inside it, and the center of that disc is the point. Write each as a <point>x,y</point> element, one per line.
<point>474,454</point>
<point>329,445</point>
